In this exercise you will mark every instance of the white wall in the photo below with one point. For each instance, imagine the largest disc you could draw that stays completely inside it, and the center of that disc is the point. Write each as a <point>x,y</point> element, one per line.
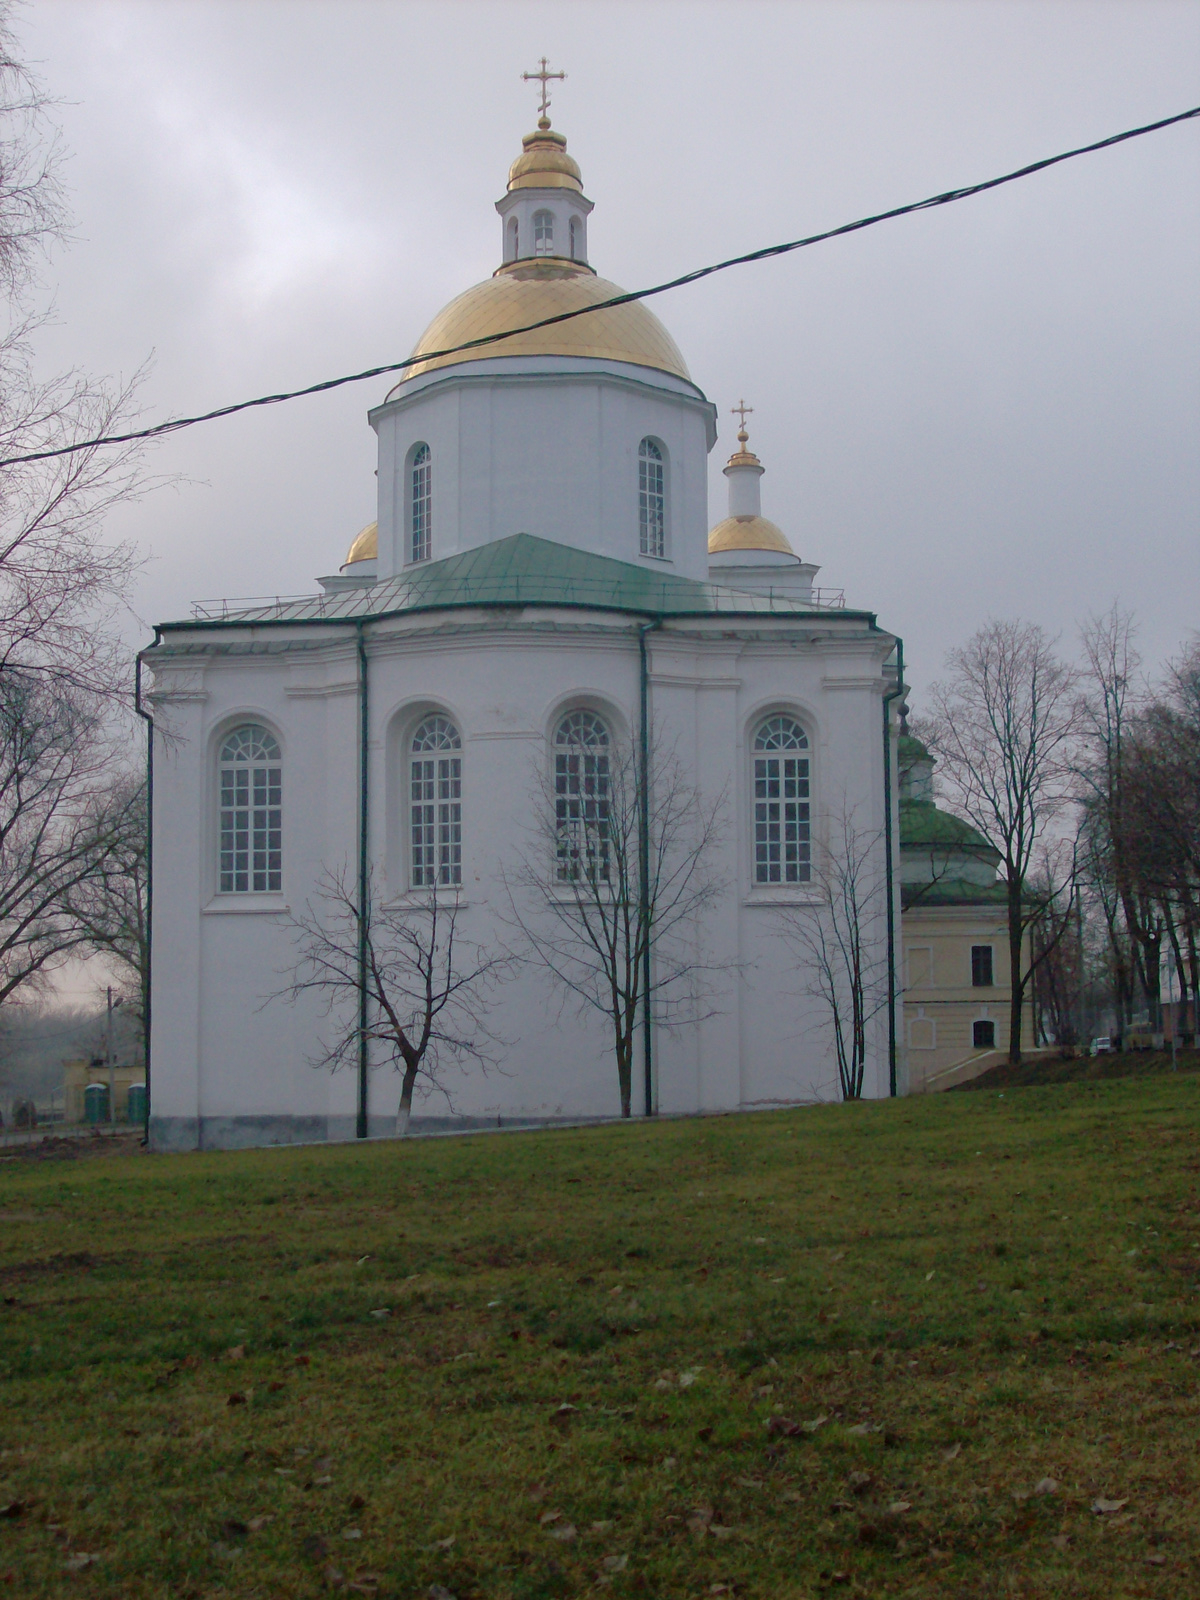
<point>229,1055</point>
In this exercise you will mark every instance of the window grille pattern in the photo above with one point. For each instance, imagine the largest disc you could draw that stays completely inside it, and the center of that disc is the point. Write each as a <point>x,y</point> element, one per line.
<point>422,503</point>
<point>543,233</point>
<point>982,976</point>
<point>436,803</point>
<point>652,500</point>
<point>251,812</point>
<point>983,1035</point>
<point>782,816</point>
<point>581,798</point>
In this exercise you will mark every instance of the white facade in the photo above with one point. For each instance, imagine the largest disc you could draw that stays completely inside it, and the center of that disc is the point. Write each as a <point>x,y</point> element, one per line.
<point>550,443</point>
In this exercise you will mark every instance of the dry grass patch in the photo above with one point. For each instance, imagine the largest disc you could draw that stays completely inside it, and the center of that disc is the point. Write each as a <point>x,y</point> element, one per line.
<point>943,1347</point>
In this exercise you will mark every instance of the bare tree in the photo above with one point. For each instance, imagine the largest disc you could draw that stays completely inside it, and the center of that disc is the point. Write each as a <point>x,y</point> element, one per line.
<point>1004,723</point>
<point>112,903</point>
<point>52,757</point>
<point>614,885</point>
<point>61,584</point>
<point>840,941</point>
<point>424,989</point>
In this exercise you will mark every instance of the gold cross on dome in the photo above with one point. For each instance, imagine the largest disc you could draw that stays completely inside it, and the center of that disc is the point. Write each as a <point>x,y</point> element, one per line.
<point>543,76</point>
<point>743,411</point>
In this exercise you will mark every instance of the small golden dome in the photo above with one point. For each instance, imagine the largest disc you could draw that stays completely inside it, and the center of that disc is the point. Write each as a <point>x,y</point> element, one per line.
<point>365,547</point>
<point>525,291</point>
<point>748,533</point>
<point>544,163</point>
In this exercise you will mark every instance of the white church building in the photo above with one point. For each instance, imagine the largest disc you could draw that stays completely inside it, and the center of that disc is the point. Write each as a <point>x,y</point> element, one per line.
<point>544,575</point>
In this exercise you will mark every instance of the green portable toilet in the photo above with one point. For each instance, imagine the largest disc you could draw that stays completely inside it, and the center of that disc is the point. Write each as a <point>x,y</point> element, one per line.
<point>95,1103</point>
<point>135,1110</point>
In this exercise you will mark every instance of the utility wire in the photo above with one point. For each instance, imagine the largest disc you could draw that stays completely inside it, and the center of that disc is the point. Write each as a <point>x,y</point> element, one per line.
<point>603,305</point>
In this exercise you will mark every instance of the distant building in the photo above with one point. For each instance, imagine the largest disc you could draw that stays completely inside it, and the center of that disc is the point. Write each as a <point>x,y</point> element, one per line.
<point>957,982</point>
<point>78,1074</point>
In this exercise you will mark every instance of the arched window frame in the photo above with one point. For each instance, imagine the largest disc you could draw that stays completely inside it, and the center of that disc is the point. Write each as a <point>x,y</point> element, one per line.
<point>434,760</point>
<point>573,232</point>
<point>514,239</point>
<point>420,503</point>
<point>781,801</point>
<point>582,777</point>
<point>543,233</point>
<point>249,811</point>
<point>652,499</point>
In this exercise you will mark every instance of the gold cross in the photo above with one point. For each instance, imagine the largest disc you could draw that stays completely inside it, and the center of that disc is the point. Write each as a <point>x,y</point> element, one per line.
<point>544,78</point>
<point>743,411</point>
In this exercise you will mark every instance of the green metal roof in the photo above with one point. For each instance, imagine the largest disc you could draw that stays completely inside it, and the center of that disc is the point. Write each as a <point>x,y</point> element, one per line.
<point>952,892</point>
<point>521,570</point>
<point>921,823</point>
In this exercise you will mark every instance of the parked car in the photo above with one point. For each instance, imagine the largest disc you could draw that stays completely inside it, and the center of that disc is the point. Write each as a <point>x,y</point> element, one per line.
<point>1101,1047</point>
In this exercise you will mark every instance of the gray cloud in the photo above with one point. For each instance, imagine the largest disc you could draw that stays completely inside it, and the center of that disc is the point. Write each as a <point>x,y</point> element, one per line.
<point>990,409</point>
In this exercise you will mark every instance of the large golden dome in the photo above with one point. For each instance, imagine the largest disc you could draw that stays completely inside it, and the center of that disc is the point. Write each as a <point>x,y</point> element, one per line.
<point>525,291</point>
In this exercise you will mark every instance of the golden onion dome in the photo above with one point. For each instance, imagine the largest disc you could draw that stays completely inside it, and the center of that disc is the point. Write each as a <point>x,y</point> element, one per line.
<point>525,291</point>
<point>544,163</point>
<point>365,547</point>
<point>748,533</point>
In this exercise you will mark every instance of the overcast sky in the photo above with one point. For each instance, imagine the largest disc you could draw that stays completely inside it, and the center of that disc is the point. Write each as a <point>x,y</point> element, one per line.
<point>992,409</point>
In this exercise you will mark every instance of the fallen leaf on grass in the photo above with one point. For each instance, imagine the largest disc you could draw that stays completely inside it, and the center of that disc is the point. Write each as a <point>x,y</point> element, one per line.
<point>899,1506</point>
<point>862,1428</point>
<point>698,1522</point>
<point>860,1482</point>
<point>561,1413</point>
<point>600,1527</point>
<point>334,1577</point>
<point>382,1311</point>
<point>256,1524</point>
<point>1104,1507</point>
<point>441,1544</point>
<point>236,1352</point>
<point>78,1561</point>
<point>438,1591</point>
<point>1045,1486</point>
<point>1155,1558</point>
<point>616,1563</point>
<point>566,1533</point>
<point>1061,1541</point>
<point>929,1275</point>
<point>351,1533</point>
<point>718,1531</point>
<point>547,1517</point>
<point>687,1379</point>
<point>952,1452</point>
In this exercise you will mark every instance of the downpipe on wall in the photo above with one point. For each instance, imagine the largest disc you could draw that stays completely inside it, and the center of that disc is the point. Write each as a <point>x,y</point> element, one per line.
<point>644,861</point>
<point>149,721</point>
<point>889,861</point>
<point>364,876</point>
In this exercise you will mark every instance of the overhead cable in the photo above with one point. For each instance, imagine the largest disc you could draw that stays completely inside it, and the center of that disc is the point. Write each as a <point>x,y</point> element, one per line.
<point>174,425</point>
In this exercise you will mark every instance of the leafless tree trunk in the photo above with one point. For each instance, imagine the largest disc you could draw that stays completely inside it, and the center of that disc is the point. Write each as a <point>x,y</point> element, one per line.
<point>111,904</point>
<point>1004,721</point>
<point>840,941</point>
<point>617,883</point>
<point>426,988</point>
<point>52,757</point>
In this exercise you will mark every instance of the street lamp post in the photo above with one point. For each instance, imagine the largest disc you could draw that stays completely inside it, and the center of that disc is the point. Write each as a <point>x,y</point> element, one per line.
<point>108,1053</point>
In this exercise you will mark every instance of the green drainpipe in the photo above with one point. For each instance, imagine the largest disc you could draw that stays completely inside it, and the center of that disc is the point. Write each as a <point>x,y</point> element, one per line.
<point>149,992</point>
<point>364,877</point>
<point>889,862</point>
<point>644,863</point>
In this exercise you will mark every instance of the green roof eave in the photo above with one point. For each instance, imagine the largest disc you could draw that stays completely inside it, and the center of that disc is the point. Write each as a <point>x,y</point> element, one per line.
<point>952,892</point>
<point>922,823</point>
<point>522,570</point>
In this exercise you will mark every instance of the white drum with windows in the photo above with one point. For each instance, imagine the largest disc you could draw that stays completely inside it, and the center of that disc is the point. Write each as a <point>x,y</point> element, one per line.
<point>251,822</point>
<point>782,814</point>
<point>435,799</point>
<point>581,798</point>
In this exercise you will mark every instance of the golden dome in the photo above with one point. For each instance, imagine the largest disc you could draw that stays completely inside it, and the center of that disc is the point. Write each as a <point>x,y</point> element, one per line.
<point>525,291</point>
<point>544,163</point>
<point>365,547</point>
<point>748,533</point>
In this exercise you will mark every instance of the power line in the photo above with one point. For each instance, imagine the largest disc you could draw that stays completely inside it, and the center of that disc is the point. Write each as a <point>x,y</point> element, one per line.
<point>764,254</point>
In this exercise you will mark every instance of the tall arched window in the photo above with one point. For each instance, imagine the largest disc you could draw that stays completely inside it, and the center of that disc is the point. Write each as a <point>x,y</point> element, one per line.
<point>436,803</point>
<point>573,236</point>
<point>543,233</point>
<point>251,811</point>
<point>514,239</point>
<point>652,500</point>
<point>421,508</point>
<point>782,818</point>
<point>581,745</point>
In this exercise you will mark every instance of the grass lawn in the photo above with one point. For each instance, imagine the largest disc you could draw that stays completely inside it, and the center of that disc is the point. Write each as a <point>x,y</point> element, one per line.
<point>945,1346</point>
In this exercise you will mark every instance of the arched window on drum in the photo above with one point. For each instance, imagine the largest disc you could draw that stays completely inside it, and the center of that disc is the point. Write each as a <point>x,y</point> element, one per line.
<point>435,803</point>
<point>652,500</point>
<point>251,811</point>
<point>782,803</point>
<point>421,504</point>
<point>543,233</point>
<point>581,798</point>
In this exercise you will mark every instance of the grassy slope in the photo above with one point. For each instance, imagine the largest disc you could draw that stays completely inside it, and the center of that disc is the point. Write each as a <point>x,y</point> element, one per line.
<point>1010,1274</point>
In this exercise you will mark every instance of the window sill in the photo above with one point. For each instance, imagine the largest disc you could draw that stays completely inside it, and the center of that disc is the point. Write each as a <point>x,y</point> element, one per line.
<point>790,894</point>
<point>243,905</point>
<point>418,900</point>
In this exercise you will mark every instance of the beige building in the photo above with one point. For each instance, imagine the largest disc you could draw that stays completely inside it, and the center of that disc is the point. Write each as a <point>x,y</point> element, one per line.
<point>956,974</point>
<point>78,1074</point>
